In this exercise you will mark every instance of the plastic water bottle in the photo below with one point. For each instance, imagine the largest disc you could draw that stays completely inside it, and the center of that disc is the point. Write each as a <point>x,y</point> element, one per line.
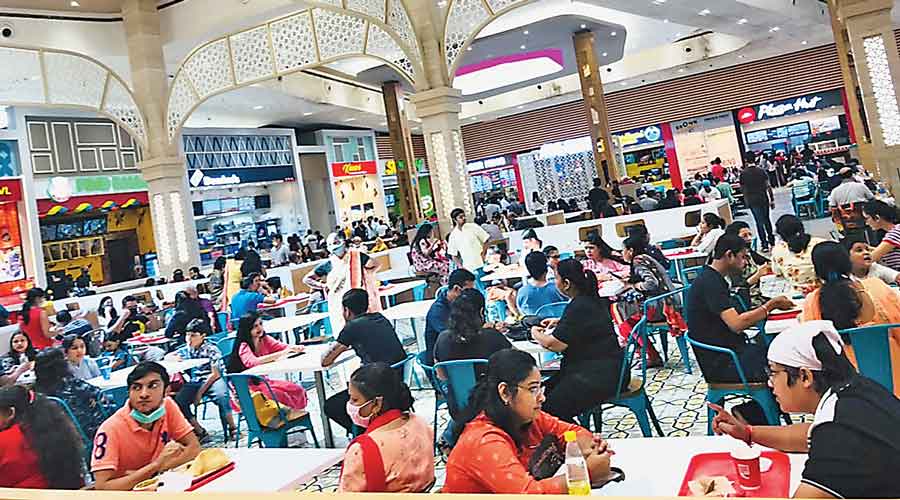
<point>577,478</point>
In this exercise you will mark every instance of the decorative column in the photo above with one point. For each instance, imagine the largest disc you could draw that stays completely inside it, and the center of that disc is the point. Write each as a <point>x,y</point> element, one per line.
<point>595,105</point>
<point>163,167</point>
<point>438,109</point>
<point>868,24</point>
<point>404,158</point>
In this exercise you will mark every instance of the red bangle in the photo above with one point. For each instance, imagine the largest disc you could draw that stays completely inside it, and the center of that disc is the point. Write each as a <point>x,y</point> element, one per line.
<point>749,435</point>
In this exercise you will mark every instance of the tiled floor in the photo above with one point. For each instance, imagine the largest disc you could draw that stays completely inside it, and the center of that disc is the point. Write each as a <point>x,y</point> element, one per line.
<point>676,396</point>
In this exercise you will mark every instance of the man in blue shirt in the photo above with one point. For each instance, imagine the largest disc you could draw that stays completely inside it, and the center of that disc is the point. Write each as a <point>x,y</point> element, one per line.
<point>439,313</point>
<point>248,297</point>
<point>537,291</point>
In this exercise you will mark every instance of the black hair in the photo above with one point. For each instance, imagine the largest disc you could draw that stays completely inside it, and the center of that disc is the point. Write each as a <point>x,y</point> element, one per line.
<point>790,229</point>
<point>113,313</point>
<point>193,269</point>
<point>637,244</point>
<point>30,351</point>
<point>50,434</point>
<point>466,316</point>
<point>736,227</point>
<point>380,380</point>
<point>460,277</point>
<point>456,212</point>
<point>880,209</point>
<point>584,282</point>
<point>728,242</point>
<point>838,300</point>
<point>536,264</point>
<point>69,341</point>
<point>198,325</point>
<point>836,371</point>
<point>50,369</point>
<point>356,300</point>
<point>245,326</point>
<point>713,220</point>
<point>150,282</point>
<point>852,239</point>
<point>421,233</point>
<point>220,263</point>
<point>247,282</point>
<point>128,298</point>
<point>145,368</point>
<point>63,317</point>
<point>512,367</point>
<point>549,248</point>
<point>606,251</point>
<point>30,298</point>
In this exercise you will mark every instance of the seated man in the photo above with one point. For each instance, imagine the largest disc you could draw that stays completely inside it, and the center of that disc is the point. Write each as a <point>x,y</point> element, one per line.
<point>373,339</point>
<point>712,317</point>
<point>439,312</point>
<point>854,435</point>
<point>537,291</point>
<point>863,265</point>
<point>71,326</point>
<point>147,436</point>
<point>248,297</point>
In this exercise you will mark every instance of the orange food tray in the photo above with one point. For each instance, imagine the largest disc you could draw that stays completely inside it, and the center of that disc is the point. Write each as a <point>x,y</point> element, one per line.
<point>776,482</point>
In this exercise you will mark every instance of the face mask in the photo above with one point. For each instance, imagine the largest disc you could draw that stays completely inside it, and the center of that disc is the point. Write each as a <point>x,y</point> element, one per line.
<point>339,251</point>
<point>144,418</point>
<point>355,417</point>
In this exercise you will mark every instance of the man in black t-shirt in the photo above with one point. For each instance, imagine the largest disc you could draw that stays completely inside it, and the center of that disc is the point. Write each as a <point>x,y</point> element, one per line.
<point>854,437</point>
<point>712,318</point>
<point>597,197</point>
<point>759,197</point>
<point>373,339</point>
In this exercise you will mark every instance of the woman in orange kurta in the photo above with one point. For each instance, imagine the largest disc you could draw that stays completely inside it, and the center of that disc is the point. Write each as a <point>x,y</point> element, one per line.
<point>494,453</point>
<point>850,302</point>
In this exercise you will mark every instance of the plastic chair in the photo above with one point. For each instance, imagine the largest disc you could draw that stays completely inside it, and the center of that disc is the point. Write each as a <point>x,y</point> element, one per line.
<point>690,274</point>
<point>566,255</point>
<point>323,326</point>
<point>497,311</point>
<point>88,442</point>
<point>718,392</point>
<point>275,434</point>
<point>440,390</point>
<point>409,370</point>
<point>419,292</point>
<point>649,328</point>
<point>554,310</point>
<point>670,244</point>
<point>116,395</point>
<point>226,346</point>
<point>222,319</point>
<point>872,350</point>
<point>461,378</point>
<point>808,191</point>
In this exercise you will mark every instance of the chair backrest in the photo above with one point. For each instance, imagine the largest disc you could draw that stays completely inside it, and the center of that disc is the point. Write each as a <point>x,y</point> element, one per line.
<point>669,244</point>
<point>584,231</point>
<point>803,189</point>
<point>692,218</point>
<point>622,227</point>
<point>439,385</point>
<point>554,310</point>
<point>461,378</point>
<point>88,442</point>
<point>690,274</point>
<point>222,318</point>
<point>737,362</point>
<point>240,383</point>
<point>226,346</point>
<point>872,351</point>
<point>319,307</point>
<point>405,364</point>
<point>118,396</point>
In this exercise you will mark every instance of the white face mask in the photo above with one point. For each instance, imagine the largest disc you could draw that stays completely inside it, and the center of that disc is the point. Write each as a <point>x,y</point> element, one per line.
<point>355,417</point>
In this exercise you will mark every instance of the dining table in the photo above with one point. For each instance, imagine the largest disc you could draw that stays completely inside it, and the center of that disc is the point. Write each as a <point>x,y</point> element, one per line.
<point>260,470</point>
<point>119,378</point>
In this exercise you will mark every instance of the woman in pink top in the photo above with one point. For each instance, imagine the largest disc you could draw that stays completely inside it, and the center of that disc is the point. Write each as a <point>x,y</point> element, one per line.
<point>603,260</point>
<point>34,321</point>
<point>253,347</point>
<point>396,453</point>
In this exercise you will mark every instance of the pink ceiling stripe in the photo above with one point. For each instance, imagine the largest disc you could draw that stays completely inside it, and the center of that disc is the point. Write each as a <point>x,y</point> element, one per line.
<point>554,54</point>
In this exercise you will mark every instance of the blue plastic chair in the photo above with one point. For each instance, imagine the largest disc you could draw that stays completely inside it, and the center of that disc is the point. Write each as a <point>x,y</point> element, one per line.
<point>806,190</point>
<point>409,369</point>
<point>88,442</point>
<point>648,329</point>
<point>670,244</point>
<point>226,346</point>
<point>461,379</point>
<point>873,353</point>
<point>272,436</point>
<point>440,390</point>
<point>690,274</point>
<point>222,318</point>
<point>497,311</point>
<point>554,310</point>
<point>566,255</point>
<point>117,396</point>
<point>323,326</point>
<point>718,392</point>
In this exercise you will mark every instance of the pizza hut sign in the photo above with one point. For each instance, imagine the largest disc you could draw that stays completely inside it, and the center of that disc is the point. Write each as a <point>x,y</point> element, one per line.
<point>788,107</point>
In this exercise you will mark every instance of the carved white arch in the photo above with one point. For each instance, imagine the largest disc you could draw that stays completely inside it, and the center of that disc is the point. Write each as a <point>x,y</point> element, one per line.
<point>465,19</point>
<point>332,30</point>
<point>58,78</point>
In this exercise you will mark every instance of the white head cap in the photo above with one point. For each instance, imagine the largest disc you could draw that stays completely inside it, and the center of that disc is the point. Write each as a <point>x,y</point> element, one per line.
<point>333,242</point>
<point>793,347</point>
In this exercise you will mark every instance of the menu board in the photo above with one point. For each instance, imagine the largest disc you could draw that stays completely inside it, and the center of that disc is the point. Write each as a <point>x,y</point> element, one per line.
<point>698,141</point>
<point>757,136</point>
<point>824,125</point>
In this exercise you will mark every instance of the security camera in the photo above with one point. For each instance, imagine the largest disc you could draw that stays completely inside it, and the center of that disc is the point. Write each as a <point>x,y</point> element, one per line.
<point>6,30</point>
<point>688,49</point>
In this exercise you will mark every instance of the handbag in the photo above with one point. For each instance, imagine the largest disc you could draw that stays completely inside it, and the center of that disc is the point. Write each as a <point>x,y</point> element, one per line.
<point>266,409</point>
<point>547,458</point>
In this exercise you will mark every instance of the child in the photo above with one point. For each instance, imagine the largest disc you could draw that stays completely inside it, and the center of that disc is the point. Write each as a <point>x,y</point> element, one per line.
<point>115,352</point>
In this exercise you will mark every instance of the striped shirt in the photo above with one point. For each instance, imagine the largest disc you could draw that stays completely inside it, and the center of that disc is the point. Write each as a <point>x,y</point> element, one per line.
<point>892,258</point>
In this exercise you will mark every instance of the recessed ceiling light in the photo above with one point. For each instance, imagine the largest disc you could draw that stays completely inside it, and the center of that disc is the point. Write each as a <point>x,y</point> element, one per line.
<point>612,33</point>
<point>742,20</point>
<point>350,119</point>
<point>522,47</point>
<point>525,32</point>
<point>307,113</point>
<point>740,56</point>
<point>258,107</point>
<point>704,12</point>
<point>383,124</point>
<point>804,42</point>
<point>773,29</point>
<point>469,48</point>
<point>74,3</point>
<point>520,107</point>
<point>681,70</point>
<point>624,83</point>
<point>666,20</point>
<point>583,26</point>
<point>604,54</point>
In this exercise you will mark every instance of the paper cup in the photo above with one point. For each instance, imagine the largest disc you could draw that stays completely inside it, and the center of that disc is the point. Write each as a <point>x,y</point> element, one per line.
<point>746,465</point>
<point>175,481</point>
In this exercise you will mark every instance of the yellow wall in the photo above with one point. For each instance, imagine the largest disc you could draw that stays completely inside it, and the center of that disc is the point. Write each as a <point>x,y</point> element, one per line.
<point>137,219</point>
<point>73,267</point>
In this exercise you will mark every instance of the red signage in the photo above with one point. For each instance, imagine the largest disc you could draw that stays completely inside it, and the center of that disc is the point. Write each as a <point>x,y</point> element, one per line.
<point>349,168</point>
<point>10,190</point>
<point>746,115</point>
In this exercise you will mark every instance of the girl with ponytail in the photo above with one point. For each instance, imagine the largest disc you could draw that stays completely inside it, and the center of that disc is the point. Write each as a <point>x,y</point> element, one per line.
<point>792,256</point>
<point>588,342</point>
<point>395,454</point>
<point>710,229</point>
<point>849,302</point>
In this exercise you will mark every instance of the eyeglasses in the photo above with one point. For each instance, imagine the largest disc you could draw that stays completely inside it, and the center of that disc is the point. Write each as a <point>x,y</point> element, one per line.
<point>553,256</point>
<point>771,373</point>
<point>536,390</point>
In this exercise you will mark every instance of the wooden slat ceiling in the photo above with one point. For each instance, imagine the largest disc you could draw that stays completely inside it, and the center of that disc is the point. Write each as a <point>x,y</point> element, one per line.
<point>383,145</point>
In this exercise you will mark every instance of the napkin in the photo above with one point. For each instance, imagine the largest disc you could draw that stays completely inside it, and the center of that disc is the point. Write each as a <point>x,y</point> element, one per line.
<point>716,486</point>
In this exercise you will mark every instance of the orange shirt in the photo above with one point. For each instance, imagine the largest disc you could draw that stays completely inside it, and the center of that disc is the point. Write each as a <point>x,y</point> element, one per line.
<point>122,445</point>
<point>486,460</point>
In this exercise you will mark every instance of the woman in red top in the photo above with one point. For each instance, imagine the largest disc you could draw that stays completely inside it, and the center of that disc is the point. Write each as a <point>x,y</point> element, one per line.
<point>494,451</point>
<point>39,446</point>
<point>34,320</point>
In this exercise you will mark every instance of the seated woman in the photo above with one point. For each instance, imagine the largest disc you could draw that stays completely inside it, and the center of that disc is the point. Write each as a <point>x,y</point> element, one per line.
<point>39,446</point>
<point>747,284</point>
<point>53,378</point>
<point>429,254</point>
<point>711,227</point>
<point>586,337</point>
<point>21,352</point>
<point>792,256</point>
<point>851,303</point>
<point>466,336</point>
<point>853,438</point>
<point>864,266</point>
<point>602,260</point>
<point>495,453</point>
<point>252,347</point>
<point>883,217</point>
<point>654,251</point>
<point>395,454</point>
<point>496,259</point>
<point>80,365</point>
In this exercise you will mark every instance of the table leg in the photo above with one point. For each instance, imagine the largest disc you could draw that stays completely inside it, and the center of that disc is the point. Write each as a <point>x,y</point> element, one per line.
<point>326,422</point>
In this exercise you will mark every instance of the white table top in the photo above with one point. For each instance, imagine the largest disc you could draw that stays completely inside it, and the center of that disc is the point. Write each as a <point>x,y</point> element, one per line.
<point>511,272</point>
<point>611,288</point>
<point>288,323</point>
<point>635,456</point>
<point>528,346</point>
<point>119,378</point>
<point>408,310</point>
<point>309,361</point>
<point>673,254</point>
<point>273,469</point>
<point>398,288</point>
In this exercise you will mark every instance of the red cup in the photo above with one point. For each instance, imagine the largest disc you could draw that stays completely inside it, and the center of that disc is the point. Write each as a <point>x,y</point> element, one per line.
<point>746,465</point>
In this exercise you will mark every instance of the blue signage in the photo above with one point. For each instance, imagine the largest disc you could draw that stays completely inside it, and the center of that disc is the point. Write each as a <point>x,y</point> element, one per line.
<point>640,136</point>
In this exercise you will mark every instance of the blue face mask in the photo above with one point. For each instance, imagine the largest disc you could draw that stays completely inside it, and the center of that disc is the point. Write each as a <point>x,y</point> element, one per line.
<point>339,251</point>
<point>146,419</point>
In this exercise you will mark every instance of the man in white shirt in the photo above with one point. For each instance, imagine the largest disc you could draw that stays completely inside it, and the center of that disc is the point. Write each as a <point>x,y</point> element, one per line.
<point>466,244</point>
<point>279,254</point>
<point>849,190</point>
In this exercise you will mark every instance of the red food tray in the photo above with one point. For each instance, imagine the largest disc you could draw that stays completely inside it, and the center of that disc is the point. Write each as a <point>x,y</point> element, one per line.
<point>776,483</point>
<point>210,477</point>
<point>680,253</point>
<point>784,315</point>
